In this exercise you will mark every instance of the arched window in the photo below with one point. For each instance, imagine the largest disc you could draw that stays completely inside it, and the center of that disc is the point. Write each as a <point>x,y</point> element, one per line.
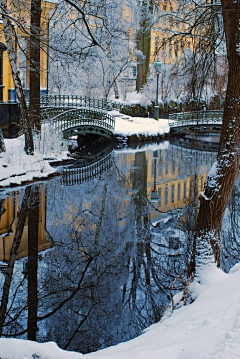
<point>2,48</point>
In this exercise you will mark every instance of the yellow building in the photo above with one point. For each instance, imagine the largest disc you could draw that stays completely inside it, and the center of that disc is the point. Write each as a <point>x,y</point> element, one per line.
<point>166,23</point>
<point>21,13</point>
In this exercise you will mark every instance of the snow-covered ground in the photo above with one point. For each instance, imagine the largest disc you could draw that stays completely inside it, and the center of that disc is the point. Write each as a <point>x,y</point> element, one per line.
<point>127,125</point>
<point>209,328</point>
<point>16,167</point>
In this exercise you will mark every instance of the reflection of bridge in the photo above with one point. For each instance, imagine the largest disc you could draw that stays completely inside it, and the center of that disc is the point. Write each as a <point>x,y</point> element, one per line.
<point>196,121</point>
<point>77,115</point>
<point>196,142</point>
<point>86,170</point>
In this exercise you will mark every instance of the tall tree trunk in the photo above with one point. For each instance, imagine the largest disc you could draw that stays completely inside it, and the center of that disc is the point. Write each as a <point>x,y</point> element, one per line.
<point>34,105</point>
<point>9,37</point>
<point>220,182</point>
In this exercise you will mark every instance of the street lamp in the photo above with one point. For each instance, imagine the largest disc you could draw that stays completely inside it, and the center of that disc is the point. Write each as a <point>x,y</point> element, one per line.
<point>157,67</point>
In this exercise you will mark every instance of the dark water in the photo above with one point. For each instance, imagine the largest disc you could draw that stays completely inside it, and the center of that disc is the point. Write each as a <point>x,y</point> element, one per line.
<point>104,244</point>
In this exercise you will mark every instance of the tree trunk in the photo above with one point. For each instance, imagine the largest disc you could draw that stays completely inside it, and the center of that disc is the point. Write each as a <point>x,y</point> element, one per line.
<point>2,144</point>
<point>7,28</point>
<point>220,182</point>
<point>143,44</point>
<point>34,95</point>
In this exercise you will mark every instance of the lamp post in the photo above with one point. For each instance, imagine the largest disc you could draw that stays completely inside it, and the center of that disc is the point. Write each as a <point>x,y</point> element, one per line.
<point>157,67</point>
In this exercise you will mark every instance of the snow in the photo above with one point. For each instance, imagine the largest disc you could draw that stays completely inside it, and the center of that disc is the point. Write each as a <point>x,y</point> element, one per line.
<point>127,125</point>
<point>207,328</point>
<point>16,167</point>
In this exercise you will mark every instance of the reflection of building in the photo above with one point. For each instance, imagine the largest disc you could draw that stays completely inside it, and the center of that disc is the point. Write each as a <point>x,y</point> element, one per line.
<point>175,175</point>
<point>8,223</point>
<point>22,14</point>
<point>176,183</point>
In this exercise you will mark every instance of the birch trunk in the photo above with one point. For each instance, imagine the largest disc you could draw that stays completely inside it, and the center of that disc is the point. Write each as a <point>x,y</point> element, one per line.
<point>34,105</point>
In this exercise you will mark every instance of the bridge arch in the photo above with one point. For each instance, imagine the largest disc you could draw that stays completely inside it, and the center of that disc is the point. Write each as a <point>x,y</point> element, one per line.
<point>79,121</point>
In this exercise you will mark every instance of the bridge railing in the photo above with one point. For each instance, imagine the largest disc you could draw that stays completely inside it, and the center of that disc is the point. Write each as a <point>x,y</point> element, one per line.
<point>77,101</point>
<point>195,118</point>
<point>48,113</point>
<point>73,176</point>
<point>83,116</point>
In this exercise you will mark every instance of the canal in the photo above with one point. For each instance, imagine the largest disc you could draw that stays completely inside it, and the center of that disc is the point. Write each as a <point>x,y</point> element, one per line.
<point>94,251</point>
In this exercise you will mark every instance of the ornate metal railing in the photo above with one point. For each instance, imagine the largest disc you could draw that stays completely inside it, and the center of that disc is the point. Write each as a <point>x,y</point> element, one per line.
<point>77,101</point>
<point>49,113</point>
<point>195,118</point>
<point>83,117</point>
<point>78,175</point>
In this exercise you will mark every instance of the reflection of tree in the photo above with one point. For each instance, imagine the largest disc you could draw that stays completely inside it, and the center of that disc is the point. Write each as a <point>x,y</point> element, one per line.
<point>141,269</point>
<point>33,220</point>
<point>12,259</point>
<point>230,250</point>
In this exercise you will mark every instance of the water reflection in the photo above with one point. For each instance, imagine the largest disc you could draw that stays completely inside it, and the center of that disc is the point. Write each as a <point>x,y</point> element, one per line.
<point>86,168</point>
<point>10,207</point>
<point>101,254</point>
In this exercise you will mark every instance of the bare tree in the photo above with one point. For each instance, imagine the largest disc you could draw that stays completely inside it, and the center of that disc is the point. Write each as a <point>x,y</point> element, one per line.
<point>35,43</point>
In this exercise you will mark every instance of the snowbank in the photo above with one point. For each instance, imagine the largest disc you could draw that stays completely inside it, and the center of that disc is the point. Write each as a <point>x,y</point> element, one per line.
<point>207,328</point>
<point>127,125</point>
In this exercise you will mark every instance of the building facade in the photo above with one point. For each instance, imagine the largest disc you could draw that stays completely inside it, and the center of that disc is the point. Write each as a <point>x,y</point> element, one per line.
<point>21,13</point>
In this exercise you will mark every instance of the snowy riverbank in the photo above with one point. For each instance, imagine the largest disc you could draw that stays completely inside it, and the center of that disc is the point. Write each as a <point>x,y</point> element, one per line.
<point>18,168</point>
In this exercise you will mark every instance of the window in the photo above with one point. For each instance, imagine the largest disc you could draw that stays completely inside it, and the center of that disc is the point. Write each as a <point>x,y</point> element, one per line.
<point>176,48</point>
<point>1,69</point>
<point>134,68</point>
<point>184,190</point>
<point>156,46</point>
<point>191,189</point>
<point>170,48</point>
<point>1,77</point>
<point>179,191</point>
<point>166,195</point>
<point>163,46</point>
<point>172,193</point>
